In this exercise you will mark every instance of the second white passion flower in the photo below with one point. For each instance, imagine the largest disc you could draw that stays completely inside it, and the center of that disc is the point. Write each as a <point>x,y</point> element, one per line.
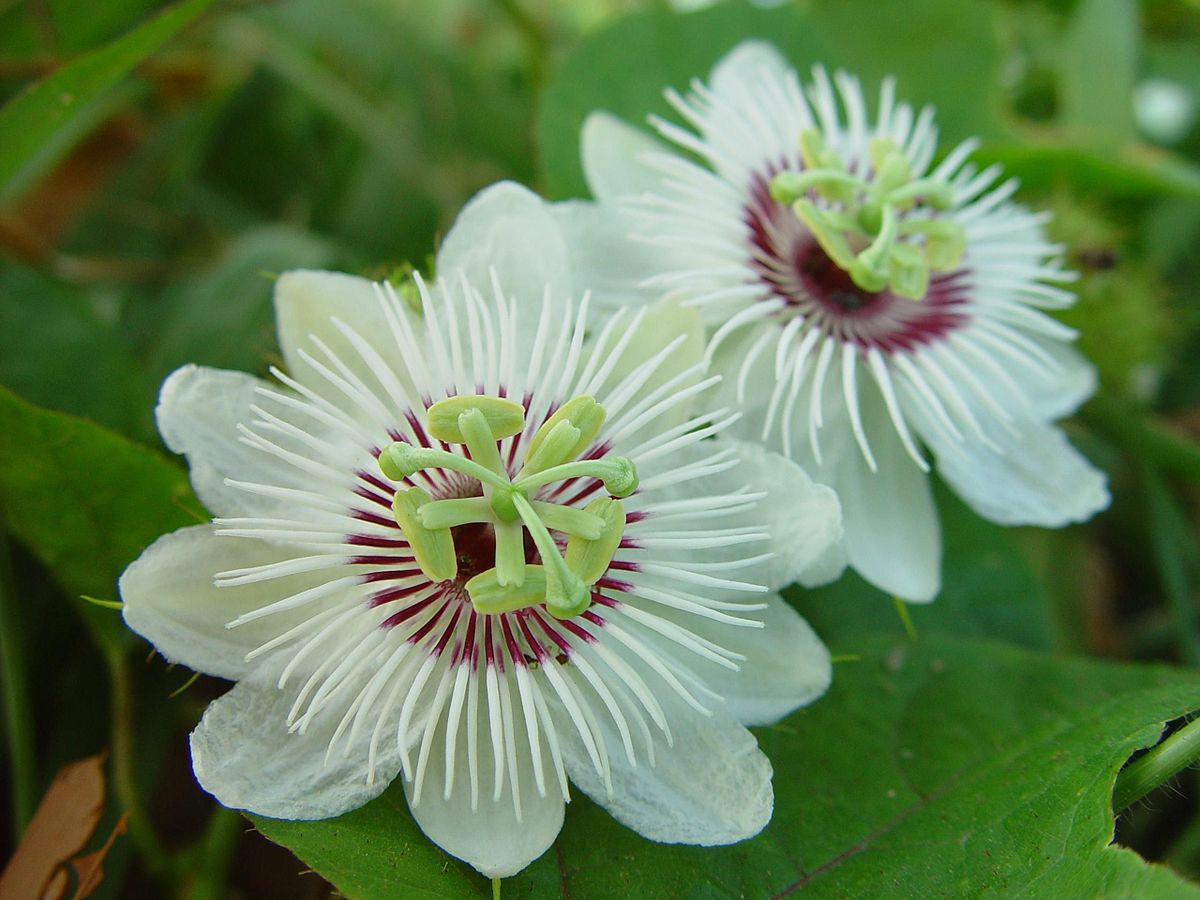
<point>477,540</point>
<point>867,304</point>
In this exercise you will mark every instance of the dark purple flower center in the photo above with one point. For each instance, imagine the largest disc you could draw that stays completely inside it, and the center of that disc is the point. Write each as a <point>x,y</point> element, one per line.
<point>790,262</point>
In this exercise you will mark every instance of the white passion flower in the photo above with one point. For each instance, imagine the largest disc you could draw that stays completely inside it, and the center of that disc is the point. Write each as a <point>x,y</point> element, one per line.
<point>481,547</point>
<point>862,300</point>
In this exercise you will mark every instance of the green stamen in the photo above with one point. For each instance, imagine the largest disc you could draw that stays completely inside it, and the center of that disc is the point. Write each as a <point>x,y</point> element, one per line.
<point>569,520</point>
<point>899,254</point>
<point>566,594</point>
<point>593,534</point>
<point>617,472</point>
<point>590,559</point>
<point>477,434</point>
<point>451,513</point>
<point>433,548</point>
<point>554,450</point>
<point>400,460</point>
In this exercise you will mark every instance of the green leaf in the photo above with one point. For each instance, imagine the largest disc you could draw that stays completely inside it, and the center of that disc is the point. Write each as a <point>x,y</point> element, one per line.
<point>944,768</point>
<point>41,123</point>
<point>1098,64</point>
<point>989,591</point>
<point>86,501</point>
<point>625,68</point>
<point>56,352</point>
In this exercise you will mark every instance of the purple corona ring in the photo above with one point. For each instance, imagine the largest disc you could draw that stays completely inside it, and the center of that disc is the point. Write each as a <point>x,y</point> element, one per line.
<point>467,538</point>
<point>876,310</point>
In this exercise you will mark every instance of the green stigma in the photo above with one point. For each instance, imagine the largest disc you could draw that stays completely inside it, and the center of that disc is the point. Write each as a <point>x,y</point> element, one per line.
<point>860,226</point>
<point>561,580</point>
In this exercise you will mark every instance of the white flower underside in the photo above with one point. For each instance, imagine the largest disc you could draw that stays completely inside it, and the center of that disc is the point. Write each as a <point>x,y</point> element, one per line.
<point>380,654</point>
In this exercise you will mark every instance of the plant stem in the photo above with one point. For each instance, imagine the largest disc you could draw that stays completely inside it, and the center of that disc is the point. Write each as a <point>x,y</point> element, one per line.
<point>1171,542</point>
<point>1144,436</point>
<point>153,855</point>
<point>1157,766</point>
<point>214,855</point>
<point>18,717</point>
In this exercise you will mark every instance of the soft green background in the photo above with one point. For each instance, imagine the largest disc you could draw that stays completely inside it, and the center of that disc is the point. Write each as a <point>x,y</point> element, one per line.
<point>159,164</point>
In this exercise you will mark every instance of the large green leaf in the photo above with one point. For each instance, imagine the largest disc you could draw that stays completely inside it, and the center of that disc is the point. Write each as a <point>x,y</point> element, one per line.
<point>625,68</point>
<point>85,500</point>
<point>43,121</point>
<point>942,768</point>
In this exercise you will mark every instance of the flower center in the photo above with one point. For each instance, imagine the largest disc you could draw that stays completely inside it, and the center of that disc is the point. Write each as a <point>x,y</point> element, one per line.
<point>885,232</point>
<point>486,535</point>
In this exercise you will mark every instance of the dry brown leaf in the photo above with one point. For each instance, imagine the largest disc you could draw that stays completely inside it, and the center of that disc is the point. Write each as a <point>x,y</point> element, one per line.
<point>89,869</point>
<point>62,825</point>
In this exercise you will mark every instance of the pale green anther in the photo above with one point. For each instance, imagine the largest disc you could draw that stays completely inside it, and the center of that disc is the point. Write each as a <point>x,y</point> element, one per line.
<point>891,173</point>
<point>945,241</point>
<point>935,194</point>
<point>477,434</point>
<point>584,413</point>
<point>489,595</point>
<point>400,460</point>
<point>831,238</point>
<point>455,512</point>
<point>590,559</point>
<point>788,187</point>
<point>569,520</point>
<point>504,417</point>
<point>432,548</point>
<point>555,448</point>
<point>510,553</point>
<point>812,148</point>
<point>910,272</point>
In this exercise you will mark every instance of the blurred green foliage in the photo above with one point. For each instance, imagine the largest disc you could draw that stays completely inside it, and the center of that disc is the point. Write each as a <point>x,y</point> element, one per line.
<point>160,163</point>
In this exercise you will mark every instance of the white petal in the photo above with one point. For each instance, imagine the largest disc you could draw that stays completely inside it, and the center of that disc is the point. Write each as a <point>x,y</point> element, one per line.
<point>1039,479</point>
<point>1056,393</point>
<point>786,664</point>
<point>509,230</point>
<point>170,599</point>
<point>198,412</point>
<point>803,517</point>
<point>752,126</point>
<point>306,302</point>
<point>892,536</point>
<point>604,259</point>
<point>747,65</point>
<point>614,158</point>
<point>661,325</point>
<point>489,837</point>
<point>712,787</point>
<point>244,756</point>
